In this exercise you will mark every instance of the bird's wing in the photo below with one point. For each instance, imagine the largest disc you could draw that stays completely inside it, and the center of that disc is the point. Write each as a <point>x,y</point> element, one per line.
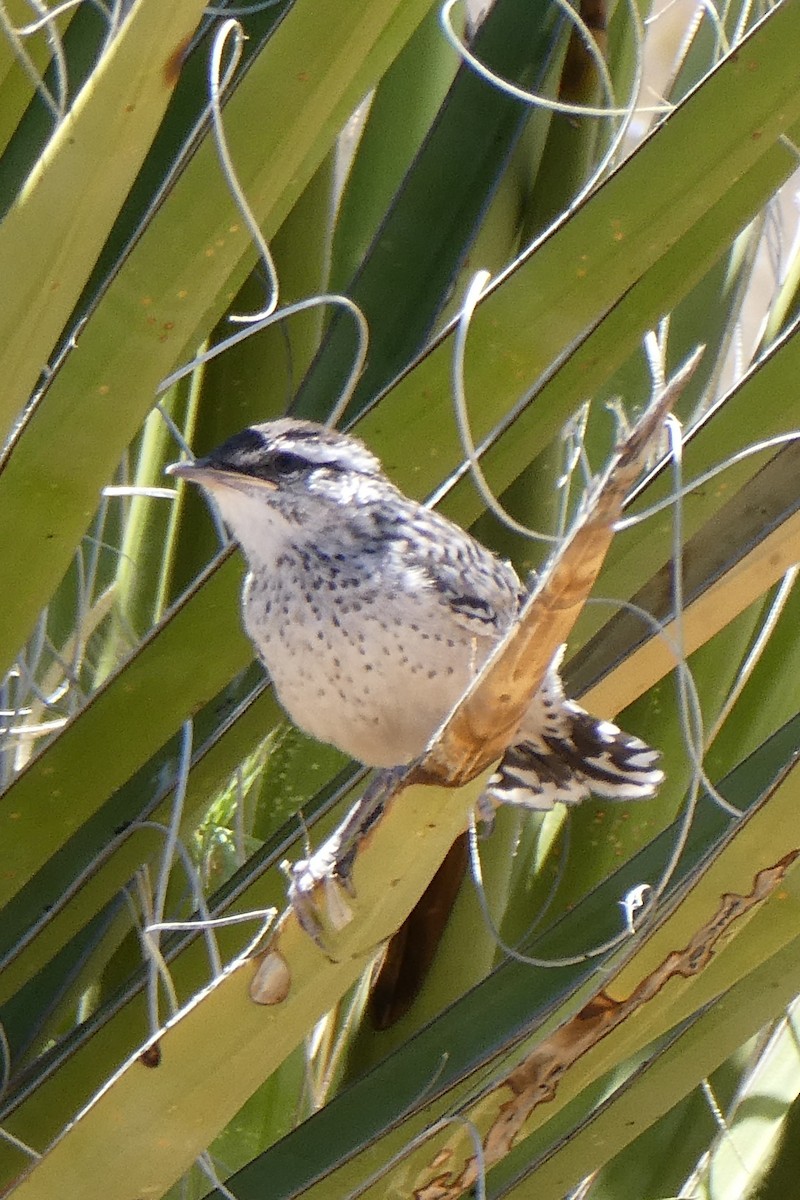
<point>481,592</point>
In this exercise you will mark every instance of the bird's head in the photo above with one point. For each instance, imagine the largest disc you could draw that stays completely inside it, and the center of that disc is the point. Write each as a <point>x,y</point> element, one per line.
<point>276,480</point>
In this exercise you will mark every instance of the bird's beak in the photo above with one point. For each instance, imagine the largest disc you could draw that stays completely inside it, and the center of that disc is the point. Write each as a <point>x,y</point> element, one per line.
<point>196,471</point>
<point>201,472</point>
<point>183,470</point>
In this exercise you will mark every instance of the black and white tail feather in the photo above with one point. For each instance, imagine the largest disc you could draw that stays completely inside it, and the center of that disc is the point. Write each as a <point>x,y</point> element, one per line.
<point>564,755</point>
<point>596,758</point>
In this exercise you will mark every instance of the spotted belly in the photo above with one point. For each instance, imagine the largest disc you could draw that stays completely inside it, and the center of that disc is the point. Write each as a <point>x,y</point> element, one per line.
<point>372,683</point>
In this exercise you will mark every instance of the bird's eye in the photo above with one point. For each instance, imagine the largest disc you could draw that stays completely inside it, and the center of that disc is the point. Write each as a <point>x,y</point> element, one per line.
<point>287,465</point>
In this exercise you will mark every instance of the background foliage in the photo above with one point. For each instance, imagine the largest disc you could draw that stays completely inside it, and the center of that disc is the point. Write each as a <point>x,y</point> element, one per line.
<point>147,771</point>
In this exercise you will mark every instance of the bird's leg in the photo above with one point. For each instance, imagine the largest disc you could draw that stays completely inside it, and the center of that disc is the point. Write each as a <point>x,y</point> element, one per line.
<point>330,868</point>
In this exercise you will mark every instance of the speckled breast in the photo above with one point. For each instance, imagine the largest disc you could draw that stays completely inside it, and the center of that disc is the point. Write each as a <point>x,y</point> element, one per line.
<point>355,664</point>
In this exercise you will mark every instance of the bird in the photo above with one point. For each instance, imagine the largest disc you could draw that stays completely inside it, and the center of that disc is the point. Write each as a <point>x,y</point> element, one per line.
<point>372,614</point>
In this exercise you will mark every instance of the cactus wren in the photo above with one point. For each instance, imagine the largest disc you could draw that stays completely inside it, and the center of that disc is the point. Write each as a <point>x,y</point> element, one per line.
<point>373,613</point>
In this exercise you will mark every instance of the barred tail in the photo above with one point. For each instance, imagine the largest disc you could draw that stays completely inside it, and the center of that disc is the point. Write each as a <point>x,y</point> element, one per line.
<point>585,756</point>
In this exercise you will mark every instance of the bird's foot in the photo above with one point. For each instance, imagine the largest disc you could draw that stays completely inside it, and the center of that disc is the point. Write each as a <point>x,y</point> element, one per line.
<point>321,886</point>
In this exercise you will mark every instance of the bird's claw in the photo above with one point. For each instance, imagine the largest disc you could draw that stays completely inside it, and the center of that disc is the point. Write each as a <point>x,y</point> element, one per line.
<point>319,888</point>
<point>328,872</point>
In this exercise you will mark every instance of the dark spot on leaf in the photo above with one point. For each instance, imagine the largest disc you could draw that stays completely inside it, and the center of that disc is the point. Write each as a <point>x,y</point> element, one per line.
<point>151,1057</point>
<point>172,67</point>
